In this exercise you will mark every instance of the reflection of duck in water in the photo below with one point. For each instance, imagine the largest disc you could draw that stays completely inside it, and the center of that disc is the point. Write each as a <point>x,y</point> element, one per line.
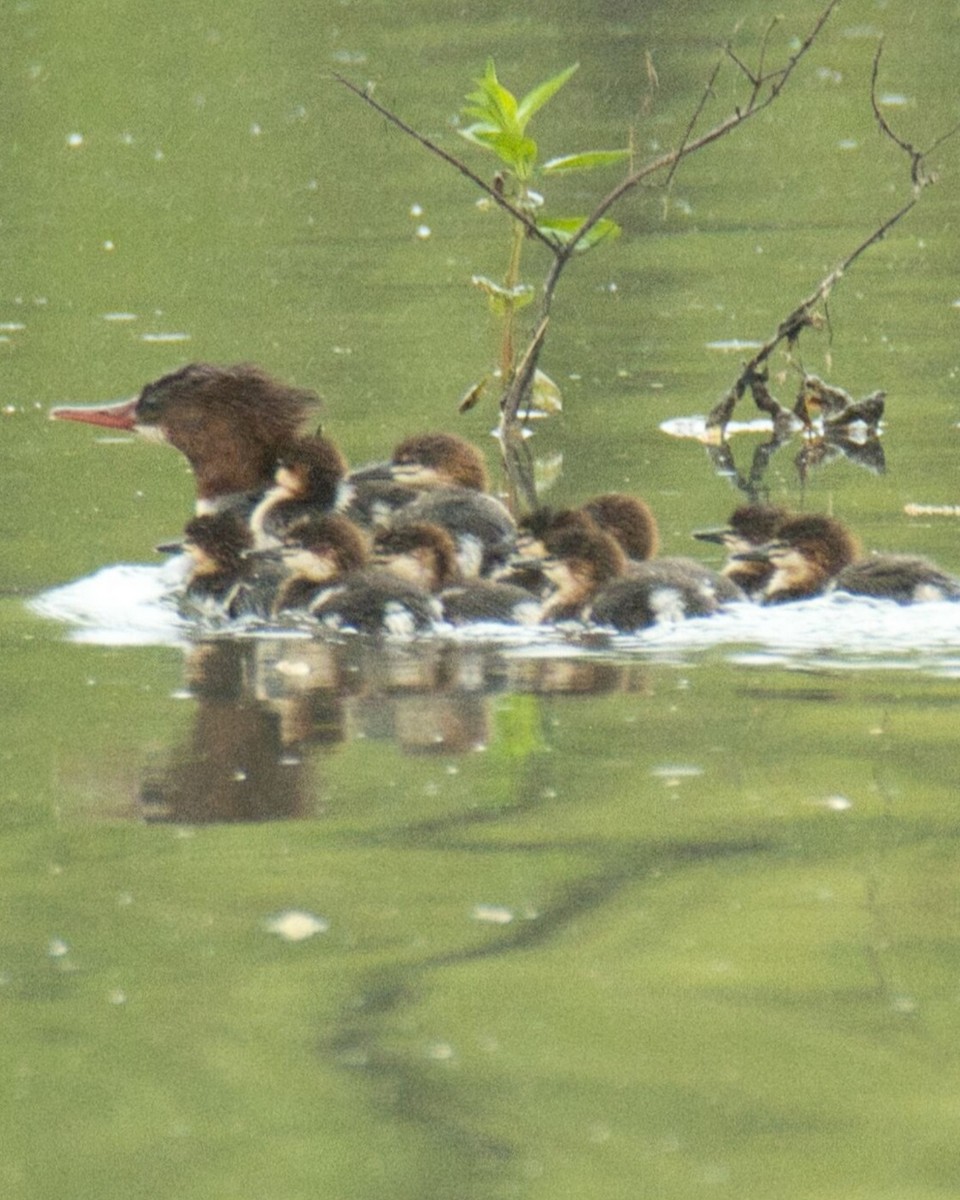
<point>588,569</point>
<point>750,526</point>
<point>425,554</point>
<point>328,578</point>
<point>229,422</point>
<point>813,554</point>
<point>446,483</point>
<point>837,408</point>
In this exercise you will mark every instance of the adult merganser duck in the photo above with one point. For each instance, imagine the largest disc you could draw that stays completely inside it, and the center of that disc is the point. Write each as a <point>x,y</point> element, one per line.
<point>306,483</point>
<point>750,526</point>
<point>425,554</point>
<point>814,554</point>
<point>222,580</point>
<point>446,477</point>
<point>590,573</point>
<point>329,578</point>
<point>229,423</point>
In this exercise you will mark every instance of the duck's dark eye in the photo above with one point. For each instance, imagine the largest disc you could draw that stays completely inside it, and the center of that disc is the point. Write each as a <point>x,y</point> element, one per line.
<point>148,406</point>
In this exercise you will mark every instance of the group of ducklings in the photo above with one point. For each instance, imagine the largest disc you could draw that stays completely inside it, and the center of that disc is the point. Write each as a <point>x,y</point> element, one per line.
<point>283,528</point>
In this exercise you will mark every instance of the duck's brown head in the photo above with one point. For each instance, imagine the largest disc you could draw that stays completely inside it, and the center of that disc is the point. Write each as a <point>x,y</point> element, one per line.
<point>229,422</point>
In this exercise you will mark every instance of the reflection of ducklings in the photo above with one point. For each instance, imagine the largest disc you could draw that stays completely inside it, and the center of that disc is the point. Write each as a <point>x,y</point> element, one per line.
<point>425,555</point>
<point>750,526</point>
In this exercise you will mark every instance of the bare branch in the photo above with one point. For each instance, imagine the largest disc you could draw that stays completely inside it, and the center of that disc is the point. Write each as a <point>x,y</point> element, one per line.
<point>428,144</point>
<point>792,325</point>
<point>918,173</point>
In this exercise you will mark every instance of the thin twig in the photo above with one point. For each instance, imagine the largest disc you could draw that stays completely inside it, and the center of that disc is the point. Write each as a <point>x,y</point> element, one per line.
<point>428,144</point>
<point>791,326</point>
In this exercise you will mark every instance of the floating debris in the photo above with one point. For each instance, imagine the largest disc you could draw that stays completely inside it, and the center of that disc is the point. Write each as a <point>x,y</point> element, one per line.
<point>295,925</point>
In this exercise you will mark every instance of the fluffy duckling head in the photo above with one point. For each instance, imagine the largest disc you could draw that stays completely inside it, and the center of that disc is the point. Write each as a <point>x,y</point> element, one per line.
<point>310,469</point>
<point>419,552</point>
<point>322,548</point>
<point>629,520</point>
<point>806,553</point>
<point>430,460</point>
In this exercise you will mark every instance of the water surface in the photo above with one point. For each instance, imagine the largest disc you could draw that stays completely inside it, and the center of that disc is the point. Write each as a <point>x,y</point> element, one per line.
<point>480,916</point>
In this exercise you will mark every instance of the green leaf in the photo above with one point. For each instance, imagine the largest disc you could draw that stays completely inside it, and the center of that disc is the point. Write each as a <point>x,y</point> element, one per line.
<point>494,103</point>
<point>583,162</point>
<point>563,229</point>
<point>538,97</point>
<point>511,148</point>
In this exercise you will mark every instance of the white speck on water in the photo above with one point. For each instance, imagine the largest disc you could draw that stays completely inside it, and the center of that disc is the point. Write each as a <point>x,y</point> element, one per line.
<point>734,345</point>
<point>894,100</point>
<point>848,144</point>
<point>492,914</point>
<point>74,140</point>
<point>416,210</point>
<point>440,1051</point>
<point>117,996</point>
<point>255,129</point>
<point>164,338</point>
<point>109,245</point>
<point>836,803</point>
<point>294,925</point>
<point>422,232</point>
<point>119,316</point>
<point>673,774</point>
<point>57,948</point>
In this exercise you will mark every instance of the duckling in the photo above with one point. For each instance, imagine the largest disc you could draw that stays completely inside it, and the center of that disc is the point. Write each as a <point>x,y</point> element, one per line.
<point>306,482</point>
<point>579,560</point>
<point>590,572</point>
<point>315,550</point>
<point>425,554</point>
<point>750,526</point>
<point>228,422</point>
<point>329,578</point>
<point>905,578</point>
<point>805,556</point>
<point>628,519</point>
<point>221,582</point>
<point>446,478</point>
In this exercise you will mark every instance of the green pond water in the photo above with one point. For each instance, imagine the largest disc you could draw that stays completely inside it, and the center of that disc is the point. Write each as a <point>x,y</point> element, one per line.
<point>546,918</point>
